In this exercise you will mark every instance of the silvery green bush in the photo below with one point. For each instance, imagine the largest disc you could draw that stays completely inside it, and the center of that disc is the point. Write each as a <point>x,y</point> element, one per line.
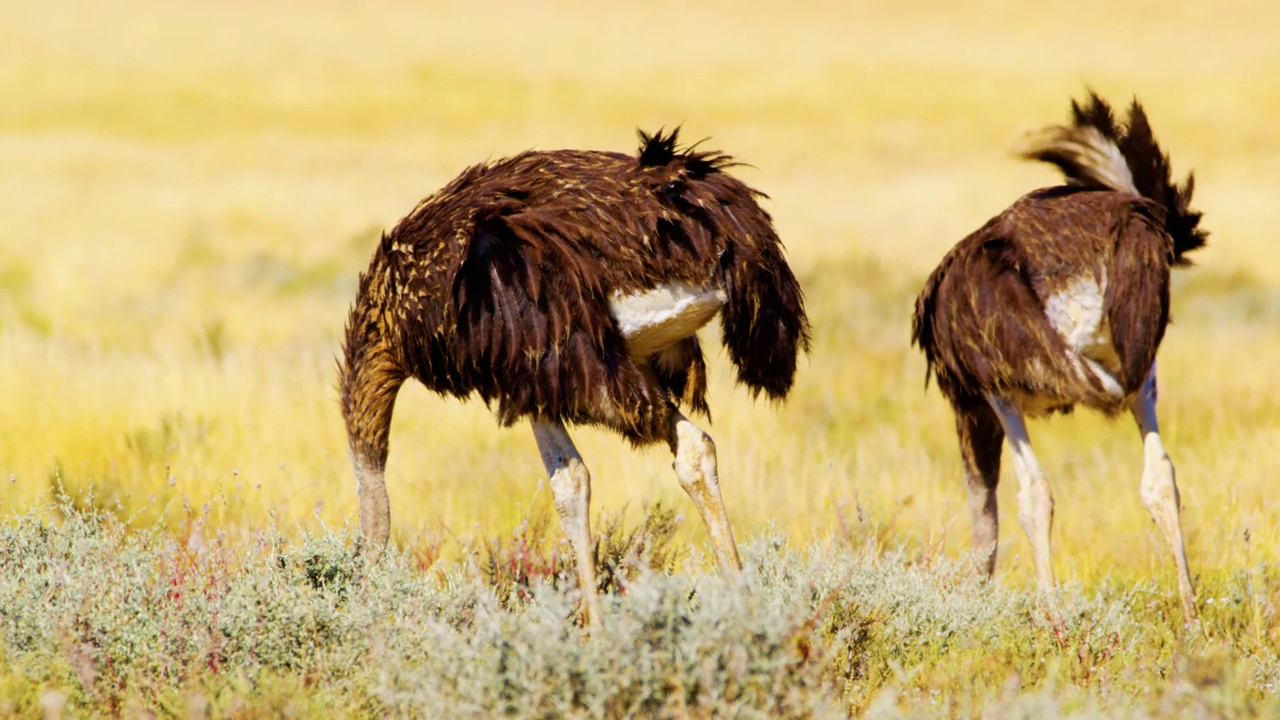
<point>100,618</point>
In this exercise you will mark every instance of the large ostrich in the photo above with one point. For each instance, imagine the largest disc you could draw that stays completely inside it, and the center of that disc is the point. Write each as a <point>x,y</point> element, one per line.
<point>568,287</point>
<point>1063,299</point>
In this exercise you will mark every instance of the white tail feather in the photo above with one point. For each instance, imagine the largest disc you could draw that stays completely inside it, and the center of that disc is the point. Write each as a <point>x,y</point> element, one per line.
<point>1089,152</point>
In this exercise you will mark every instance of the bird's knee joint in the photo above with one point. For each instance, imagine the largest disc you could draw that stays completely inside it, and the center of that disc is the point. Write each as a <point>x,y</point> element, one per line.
<point>704,448</point>
<point>706,445</point>
<point>571,480</point>
<point>692,437</point>
<point>696,465</point>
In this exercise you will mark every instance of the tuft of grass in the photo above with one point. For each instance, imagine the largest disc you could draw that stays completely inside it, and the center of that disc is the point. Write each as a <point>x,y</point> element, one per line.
<point>535,554</point>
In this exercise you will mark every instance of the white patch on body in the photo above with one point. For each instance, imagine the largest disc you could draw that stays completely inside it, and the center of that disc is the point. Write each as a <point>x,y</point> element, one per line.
<point>1078,313</point>
<point>656,319</point>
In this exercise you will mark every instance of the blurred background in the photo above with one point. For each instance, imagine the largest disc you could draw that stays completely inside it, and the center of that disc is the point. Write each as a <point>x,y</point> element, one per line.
<point>188,191</point>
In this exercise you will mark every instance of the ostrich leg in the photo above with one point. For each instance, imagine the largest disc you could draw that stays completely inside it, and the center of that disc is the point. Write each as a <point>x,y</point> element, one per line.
<point>1035,502</point>
<point>695,467</point>
<point>571,490</point>
<point>980,437</point>
<point>1160,489</point>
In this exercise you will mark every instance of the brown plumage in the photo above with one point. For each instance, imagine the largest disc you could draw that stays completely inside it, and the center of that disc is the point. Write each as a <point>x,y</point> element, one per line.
<point>1060,300</point>
<point>507,284</point>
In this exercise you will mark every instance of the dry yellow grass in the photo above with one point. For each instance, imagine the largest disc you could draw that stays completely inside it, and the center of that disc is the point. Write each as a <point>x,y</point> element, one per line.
<point>188,190</point>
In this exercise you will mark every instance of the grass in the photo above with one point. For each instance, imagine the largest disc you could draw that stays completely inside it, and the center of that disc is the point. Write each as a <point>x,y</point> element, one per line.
<point>188,192</point>
<point>97,616</point>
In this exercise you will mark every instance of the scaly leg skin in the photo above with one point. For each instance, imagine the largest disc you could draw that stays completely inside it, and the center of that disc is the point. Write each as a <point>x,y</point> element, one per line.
<point>695,466</point>
<point>571,490</point>
<point>1160,489</point>
<point>1035,502</point>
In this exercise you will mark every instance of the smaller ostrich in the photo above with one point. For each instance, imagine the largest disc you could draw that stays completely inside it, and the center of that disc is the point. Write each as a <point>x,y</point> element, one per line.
<point>1062,300</point>
<point>568,287</point>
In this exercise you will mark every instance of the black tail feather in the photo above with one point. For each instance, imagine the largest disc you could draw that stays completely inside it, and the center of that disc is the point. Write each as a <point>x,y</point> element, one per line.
<point>1096,151</point>
<point>764,321</point>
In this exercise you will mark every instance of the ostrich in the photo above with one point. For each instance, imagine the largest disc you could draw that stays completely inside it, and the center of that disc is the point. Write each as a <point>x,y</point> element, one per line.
<point>568,287</point>
<point>1063,299</point>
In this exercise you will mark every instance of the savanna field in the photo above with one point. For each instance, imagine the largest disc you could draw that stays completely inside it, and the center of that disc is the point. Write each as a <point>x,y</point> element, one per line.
<point>189,190</point>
